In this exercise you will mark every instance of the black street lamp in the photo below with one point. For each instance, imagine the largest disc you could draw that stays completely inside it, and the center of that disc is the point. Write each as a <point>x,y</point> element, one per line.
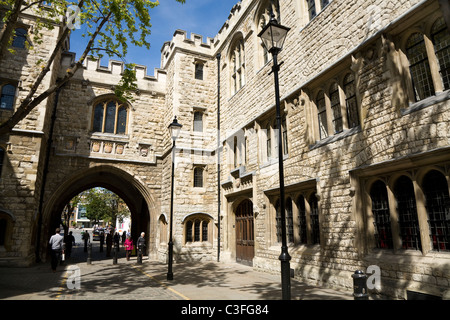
<point>273,36</point>
<point>174,129</point>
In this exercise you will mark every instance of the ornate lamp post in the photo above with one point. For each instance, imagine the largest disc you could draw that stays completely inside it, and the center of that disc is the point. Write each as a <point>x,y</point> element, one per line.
<point>174,129</point>
<point>273,36</point>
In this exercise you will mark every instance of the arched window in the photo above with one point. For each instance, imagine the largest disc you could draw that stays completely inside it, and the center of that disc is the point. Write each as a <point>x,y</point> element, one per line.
<point>336,108</point>
<point>264,16</point>
<point>381,215</point>
<point>407,214</point>
<point>441,41</point>
<point>7,96</point>
<point>237,62</point>
<point>322,115</point>
<point>350,101</point>
<point>20,38</point>
<point>437,198</point>
<point>419,66</point>
<point>110,116</point>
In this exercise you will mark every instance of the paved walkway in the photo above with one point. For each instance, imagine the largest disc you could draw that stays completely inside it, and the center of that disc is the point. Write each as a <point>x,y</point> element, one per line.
<point>127,280</point>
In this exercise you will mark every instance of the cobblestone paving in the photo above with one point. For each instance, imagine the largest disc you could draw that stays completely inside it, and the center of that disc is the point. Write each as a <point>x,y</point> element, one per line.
<point>102,279</point>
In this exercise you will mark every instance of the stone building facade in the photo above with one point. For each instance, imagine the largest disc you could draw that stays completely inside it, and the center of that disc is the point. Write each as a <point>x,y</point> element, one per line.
<point>365,88</point>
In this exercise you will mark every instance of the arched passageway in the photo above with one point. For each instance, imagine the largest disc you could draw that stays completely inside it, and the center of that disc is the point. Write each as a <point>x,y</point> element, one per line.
<point>137,197</point>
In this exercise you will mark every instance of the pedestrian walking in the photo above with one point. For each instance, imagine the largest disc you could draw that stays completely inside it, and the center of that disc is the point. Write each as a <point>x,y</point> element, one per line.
<point>141,242</point>
<point>69,240</point>
<point>56,243</point>
<point>124,237</point>
<point>86,238</point>
<point>128,247</point>
<point>102,240</point>
<point>109,241</point>
<point>116,240</point>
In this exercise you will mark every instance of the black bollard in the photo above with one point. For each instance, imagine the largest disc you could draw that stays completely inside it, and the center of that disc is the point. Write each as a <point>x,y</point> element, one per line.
<point>115,253</point>
<point>89,257</point>
<point>139,257</point>
<point>360,285</point>
<point>63,254</point>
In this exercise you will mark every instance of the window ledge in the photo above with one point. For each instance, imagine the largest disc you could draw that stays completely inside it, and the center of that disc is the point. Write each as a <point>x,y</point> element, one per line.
<point>427,102</point>
<point>199,244</point>
<point>389,255</point>
<point>336,137</point>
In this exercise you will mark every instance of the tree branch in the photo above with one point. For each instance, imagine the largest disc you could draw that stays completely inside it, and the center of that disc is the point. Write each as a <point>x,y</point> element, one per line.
<point>10,24</point>
<point>29,103</point>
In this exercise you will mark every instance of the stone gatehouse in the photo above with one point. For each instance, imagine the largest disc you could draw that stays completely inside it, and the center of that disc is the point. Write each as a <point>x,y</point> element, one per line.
<point>365,97</point>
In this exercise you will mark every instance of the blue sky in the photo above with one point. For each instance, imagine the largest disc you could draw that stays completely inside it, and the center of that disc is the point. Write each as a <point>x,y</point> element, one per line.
<point>203,17</point>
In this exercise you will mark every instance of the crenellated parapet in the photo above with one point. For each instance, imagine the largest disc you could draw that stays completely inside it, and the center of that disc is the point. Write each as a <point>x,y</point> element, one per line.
<point>110,74</point>
<point>181,41</point>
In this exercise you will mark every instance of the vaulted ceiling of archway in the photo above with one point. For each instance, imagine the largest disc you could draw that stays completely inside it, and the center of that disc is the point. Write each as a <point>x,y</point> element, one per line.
<point>118,182</point>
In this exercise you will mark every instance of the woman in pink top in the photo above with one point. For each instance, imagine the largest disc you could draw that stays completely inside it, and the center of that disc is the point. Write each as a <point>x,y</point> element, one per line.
<point>128,246</point>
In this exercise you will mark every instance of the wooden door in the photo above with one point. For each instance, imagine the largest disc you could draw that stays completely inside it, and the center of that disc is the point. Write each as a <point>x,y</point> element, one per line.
<point>245,242</point>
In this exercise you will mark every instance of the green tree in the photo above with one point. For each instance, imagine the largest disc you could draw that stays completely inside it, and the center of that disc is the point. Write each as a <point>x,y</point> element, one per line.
<point>103,204</point>
<point>97,207</point>
<point>111,26</point>
<point>67,212</point>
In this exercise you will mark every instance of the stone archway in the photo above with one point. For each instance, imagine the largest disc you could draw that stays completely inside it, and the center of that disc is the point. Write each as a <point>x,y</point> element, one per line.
<point>138,198</point>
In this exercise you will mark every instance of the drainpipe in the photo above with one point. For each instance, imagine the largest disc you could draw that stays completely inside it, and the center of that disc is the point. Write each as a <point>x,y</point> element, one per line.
<point>44,175</point>
<point>218,156</point>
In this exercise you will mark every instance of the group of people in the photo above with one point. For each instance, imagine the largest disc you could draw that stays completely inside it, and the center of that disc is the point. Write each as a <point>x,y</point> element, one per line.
<point>63,245</point>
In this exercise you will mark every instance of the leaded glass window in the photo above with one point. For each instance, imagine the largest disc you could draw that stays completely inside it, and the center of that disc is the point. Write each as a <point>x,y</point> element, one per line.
<point>336,108</point>
<point>322,115</point>
<point>438,208</point>
<point>419,67</point>
<point>302,219</point>
<point>350,100</point>
<point>441,41</point>
<point>20,38</point>
<point>407,213</point>
<point>314,214</point>
<point>289,221</point>
<point>7,97</point>
<point>110,116</point>
<point>381,215</point>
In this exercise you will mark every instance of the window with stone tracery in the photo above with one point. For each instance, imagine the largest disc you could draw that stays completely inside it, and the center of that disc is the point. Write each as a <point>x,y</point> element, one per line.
<point>197,228</point>
<point>267,8</point>
<point>424,50</point>
<point>110,116</point>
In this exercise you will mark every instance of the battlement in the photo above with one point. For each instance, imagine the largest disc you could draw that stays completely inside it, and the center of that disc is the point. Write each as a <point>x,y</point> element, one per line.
<point>181,40</point>
<point>93,71</point>
<point>233,18</point>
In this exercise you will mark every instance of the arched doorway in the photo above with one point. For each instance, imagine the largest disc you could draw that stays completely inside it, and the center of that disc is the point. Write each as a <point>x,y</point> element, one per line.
<point>245,236</point>
<point>137,197</point>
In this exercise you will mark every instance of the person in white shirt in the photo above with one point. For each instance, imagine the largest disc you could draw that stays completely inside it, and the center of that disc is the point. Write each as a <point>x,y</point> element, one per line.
<point>56,243</point>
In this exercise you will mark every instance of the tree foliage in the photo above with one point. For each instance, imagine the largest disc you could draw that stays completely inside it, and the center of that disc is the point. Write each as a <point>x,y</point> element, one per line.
<point>109,26</point>
<point>103,204</point>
